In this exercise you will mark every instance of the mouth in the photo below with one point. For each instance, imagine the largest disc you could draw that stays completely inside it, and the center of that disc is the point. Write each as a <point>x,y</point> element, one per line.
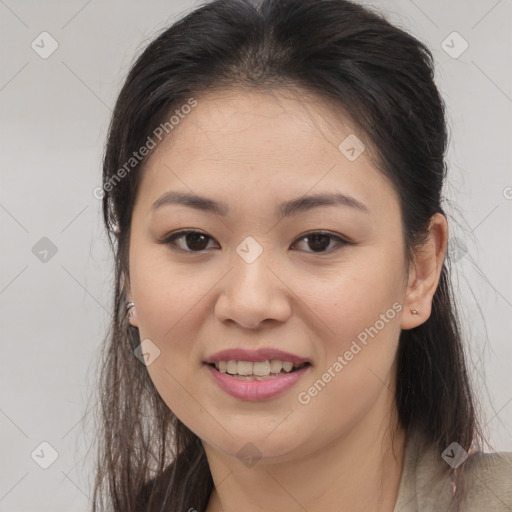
<point>256,380</point>
<point>257,370</point>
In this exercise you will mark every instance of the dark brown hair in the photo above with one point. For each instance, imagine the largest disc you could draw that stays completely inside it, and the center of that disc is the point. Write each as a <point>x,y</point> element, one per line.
<point>383,79</point>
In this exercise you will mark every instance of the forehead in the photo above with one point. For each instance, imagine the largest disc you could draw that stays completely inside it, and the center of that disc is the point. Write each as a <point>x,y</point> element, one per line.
<point>241,121</point>
<point>277,144</point>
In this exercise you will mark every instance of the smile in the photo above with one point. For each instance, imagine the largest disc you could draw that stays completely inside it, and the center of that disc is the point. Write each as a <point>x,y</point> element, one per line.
<point>260,380</point>
<point>257,370</point>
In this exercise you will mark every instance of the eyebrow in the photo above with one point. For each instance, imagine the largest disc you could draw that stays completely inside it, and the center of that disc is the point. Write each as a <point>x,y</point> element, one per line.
<point>285,209</point>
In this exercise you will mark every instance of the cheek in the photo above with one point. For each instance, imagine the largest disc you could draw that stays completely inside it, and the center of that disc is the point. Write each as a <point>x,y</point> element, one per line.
<point>357,298</point>
<point>166,293</point>
<point>357,339</point>
<point>169,300</point>
<point>360,308</point>
<point>355,374</point>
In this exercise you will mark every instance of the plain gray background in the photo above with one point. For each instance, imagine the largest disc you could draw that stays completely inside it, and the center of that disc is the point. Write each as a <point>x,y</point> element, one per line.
<point>54,307</point>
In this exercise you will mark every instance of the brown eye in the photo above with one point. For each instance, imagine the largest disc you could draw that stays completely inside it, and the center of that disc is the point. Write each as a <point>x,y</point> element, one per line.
<point>320,241</point>
<point>194,241</point>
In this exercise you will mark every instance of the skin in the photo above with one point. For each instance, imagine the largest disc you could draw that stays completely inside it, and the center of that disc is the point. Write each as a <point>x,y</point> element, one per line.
<point>253,150</point>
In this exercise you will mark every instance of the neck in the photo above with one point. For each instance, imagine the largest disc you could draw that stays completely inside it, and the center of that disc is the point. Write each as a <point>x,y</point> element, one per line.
<point>358,471</point>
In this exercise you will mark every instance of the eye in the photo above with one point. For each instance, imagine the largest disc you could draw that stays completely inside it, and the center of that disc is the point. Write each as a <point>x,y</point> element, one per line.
<point>195,240</point>
<point>320,241</point>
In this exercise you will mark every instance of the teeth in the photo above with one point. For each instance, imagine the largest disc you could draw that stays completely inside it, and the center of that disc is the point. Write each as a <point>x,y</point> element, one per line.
<point>256,369</point>
<point>245,368</point>
<point>232,367</point>
<point>287,366</point>
<point>260,368</point>
<point>276,366</point>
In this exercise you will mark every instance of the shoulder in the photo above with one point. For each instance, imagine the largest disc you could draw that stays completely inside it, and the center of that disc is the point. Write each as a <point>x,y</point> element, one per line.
<point>428,484</point>
<point>488,481</point>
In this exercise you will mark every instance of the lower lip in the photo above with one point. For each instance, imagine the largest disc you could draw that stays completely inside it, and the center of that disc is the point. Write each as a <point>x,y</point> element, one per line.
<point>254,390</point>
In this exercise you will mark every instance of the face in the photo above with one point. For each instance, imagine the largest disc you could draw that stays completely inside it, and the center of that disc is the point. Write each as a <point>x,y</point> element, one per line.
<point>324,283</point>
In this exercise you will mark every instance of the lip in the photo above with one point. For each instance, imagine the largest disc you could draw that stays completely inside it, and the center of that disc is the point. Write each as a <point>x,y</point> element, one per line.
<point>262,354</point>
<point>254,390</point>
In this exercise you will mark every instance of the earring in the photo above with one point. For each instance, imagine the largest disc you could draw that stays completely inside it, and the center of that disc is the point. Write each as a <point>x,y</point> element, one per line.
<point>414,311</point>
<point>129,306</point>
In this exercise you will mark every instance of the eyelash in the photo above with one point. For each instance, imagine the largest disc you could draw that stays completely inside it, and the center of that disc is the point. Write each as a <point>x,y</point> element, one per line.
<point>170,240</point>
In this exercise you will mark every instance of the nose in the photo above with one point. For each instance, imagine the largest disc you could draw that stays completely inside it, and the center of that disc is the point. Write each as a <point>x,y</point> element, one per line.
<point>252,293</point>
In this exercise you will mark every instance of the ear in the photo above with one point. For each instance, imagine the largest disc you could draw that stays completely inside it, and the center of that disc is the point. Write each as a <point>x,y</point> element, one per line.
<point>425,272</point>
<point>132,312</point>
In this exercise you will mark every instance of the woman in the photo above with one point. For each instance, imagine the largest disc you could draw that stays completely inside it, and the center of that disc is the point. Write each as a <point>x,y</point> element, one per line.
<point>284,336</point>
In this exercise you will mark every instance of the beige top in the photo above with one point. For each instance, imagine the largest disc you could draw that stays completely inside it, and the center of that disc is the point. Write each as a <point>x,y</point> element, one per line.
<point>487,477</point>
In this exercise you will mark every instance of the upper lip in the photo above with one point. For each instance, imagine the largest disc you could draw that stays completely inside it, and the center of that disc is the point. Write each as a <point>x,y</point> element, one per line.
<point>262,354</point>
